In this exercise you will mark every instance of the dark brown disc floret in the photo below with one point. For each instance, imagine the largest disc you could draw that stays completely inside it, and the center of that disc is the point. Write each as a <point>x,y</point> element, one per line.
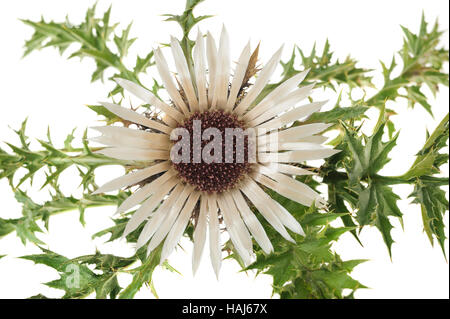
<point>214,177</point>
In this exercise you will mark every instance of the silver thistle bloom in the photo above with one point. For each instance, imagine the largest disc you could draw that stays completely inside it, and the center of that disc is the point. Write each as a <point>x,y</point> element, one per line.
<point>208,194</point>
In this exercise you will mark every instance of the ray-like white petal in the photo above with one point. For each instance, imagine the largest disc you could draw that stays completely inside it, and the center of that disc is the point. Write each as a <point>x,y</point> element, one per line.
<point>289,181</point>
<point>148,97</point>
<point>252,222</point>
<point>238,223</point>
<point>134,154</point>
<point>292,146</point>
<point>168,120</point>
<point>126,142</point>
<point>236,236</point>
<point>148,206</point>
<point>211,54</point>
<point>200,72</point>
<point>215,250</point>
<point>179,194</point>
<point>179,226</point>
<point>283,190</point>
<point>238,76</point>
<point>168,82</point>
<point>261,201</point>
<point>169,220</point>
<point>288,220</point>
<point>289,117</point>
<point>144,192</point>
<point>260,83</point>
<point>288,169</point>
<point>299,146</point>
<point>135,117</point>
<point>200,234</point>
<point>296,156</point>
<point>223,72</point>
<point>133,178</point>
<point>297,192</point>
<point>275,96</point>
<point>284,104</point>
<point>183,72</point>
<point>128,133</point>
<point>293,134</point>
<point>317,139</point>
<point>284,216</point>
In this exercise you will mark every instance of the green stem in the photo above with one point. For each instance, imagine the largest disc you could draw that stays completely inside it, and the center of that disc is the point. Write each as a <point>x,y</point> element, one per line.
<point>87,204</point>
<point>187,50</point>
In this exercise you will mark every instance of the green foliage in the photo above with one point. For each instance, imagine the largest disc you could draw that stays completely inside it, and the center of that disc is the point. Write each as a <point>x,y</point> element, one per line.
<point>97,273</point>
<point>54,161</point>
<point>361,187</point>
<point>371,195</point>
<point>77,280</point>
<point>96,38</point>
<point>309,268</point>
<point>429,158</point>
<point>358,194</point>
<point>108,116</point>
<point>339,114</point>
<point>433,205</point>
<point>423,63</point>
<point>142,274</point>
<point>26,226</point>
<point>427,188</point>
<point>187,21</point>
<point>324,71</point>
<point>376,203</point>
<point>373,199</point>
<point>368,154</point>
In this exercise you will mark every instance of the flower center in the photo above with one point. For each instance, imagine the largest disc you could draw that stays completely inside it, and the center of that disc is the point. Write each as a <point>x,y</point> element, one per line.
<point>218,151</point>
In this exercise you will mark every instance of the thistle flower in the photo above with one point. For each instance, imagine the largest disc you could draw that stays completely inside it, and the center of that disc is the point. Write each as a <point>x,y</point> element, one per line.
<point>219,193</point>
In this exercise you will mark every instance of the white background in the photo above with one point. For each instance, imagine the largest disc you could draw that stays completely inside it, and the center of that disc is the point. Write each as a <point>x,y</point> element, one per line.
<point>52,91</point>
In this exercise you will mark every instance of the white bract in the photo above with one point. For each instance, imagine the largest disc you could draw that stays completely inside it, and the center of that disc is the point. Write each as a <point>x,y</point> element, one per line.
<point>170,198</point>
